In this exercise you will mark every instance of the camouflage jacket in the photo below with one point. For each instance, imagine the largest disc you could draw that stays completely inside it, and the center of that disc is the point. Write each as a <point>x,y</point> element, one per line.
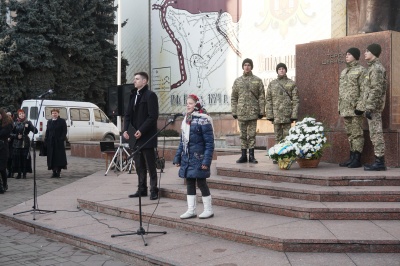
<point>350,86</point>
<point>248,97</point>
<point>282,100</point>
<point>374,87</point>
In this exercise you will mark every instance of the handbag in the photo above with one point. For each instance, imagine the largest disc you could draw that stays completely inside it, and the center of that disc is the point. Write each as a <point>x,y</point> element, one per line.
<point>43,149</point>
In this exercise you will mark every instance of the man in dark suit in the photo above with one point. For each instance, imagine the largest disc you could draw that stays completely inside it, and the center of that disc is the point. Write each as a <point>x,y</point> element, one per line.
<point>142,115</point>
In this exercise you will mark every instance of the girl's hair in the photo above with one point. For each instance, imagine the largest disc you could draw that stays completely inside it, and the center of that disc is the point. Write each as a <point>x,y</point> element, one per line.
<point>55,110</point>
<point>5,118</point>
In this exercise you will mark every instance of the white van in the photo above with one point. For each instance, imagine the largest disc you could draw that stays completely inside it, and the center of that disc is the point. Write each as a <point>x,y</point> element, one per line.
<point>85,121</point>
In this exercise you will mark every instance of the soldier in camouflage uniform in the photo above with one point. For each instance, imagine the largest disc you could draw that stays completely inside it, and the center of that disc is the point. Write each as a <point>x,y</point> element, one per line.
<point>350,96</point>
<point>248,105</point>
<point>373,102</point>
<point>282,103</point>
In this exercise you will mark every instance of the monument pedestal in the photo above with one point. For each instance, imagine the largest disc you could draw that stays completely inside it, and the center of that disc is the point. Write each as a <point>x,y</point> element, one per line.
<point>318,67</point>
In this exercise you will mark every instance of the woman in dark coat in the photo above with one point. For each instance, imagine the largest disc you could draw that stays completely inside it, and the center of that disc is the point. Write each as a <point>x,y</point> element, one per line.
<point>5,131</point>
<point>21,159</point>
<point>10,173</point>
<point>194,156</point>
<point>56,134</point>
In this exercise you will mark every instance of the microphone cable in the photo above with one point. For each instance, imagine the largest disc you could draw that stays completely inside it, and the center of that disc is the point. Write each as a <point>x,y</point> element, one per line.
<point>159,179</point>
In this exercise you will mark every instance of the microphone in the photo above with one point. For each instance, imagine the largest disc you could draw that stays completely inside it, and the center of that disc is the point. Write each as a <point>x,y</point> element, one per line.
<point>174,117</point>
<point>44,94</point>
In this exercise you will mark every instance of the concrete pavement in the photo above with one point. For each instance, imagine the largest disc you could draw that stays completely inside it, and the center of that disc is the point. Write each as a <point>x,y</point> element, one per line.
<point>177,247</point>
<point>22,248</point>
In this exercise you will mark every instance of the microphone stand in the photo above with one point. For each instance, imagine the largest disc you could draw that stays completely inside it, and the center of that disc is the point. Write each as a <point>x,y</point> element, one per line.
<point>141,231</point>
<point>33,147</point>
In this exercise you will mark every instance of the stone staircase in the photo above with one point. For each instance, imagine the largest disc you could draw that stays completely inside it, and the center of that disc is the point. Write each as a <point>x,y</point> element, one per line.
<point>327,209</point>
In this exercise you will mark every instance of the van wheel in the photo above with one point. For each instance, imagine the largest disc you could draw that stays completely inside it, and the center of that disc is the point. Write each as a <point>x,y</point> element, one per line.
<point>108,138</point>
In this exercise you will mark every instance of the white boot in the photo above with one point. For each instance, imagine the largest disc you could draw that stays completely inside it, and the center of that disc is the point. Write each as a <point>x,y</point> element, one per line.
<point>191,212</point>
<point>208,211</point>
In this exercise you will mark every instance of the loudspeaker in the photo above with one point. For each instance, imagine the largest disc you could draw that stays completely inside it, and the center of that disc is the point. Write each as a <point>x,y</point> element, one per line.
<point>112,101</point>
<point>118,99</point>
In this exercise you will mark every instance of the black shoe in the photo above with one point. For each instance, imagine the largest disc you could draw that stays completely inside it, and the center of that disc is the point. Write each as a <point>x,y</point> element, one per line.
<point>356,160</point>
<point>18,176</point>
<point>5,188</point>
<point>243,158</point>
<point>251,156</point>
<point>136,195</point>
<point>346,163</point>
<point>24,176</point>
<point>54,175</point>
<point>378,165</point>
<point>153,195</point>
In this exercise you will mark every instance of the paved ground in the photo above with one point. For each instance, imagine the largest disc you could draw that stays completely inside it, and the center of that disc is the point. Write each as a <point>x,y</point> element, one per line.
<point>21,248</point>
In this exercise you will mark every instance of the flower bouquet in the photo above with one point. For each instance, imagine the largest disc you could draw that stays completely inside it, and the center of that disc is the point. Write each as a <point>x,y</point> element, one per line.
<point>308,139</point>
<point>284,153</point>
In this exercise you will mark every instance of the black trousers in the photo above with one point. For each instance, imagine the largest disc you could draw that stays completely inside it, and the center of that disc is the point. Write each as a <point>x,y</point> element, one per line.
<point>145,161</point>
<point>201,183</point>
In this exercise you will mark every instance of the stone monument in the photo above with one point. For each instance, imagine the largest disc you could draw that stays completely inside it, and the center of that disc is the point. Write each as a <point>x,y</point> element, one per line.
<point>318,66</point>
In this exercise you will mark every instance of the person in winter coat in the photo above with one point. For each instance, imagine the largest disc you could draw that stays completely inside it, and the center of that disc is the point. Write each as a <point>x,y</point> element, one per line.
<point>10,173</point>
<point>350,95</point>
<point>141,116</point>
<point>6,125</point>
<point>56,134</point>
<point>21,159</point>
<point>282,103</point>
<point>194,156</point>
<point>248,105</point>
<point>372,104</point>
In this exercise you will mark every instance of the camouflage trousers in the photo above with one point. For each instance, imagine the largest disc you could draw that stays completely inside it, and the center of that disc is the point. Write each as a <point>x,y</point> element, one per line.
<point>281,131</point>
<point>355,133</point>
<point>376,134</point>
<point>248,130</point>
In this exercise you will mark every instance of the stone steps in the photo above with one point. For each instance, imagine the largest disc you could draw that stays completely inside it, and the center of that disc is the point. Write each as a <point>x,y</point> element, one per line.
<point>326,174</point>
<point>262,229</point>
<point>304,209</point>
<point>293,218</point>
<point>306,191</point>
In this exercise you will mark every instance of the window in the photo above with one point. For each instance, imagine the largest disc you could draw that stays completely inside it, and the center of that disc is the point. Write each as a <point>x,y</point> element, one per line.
<point>99,116</point>
<point>26,112</point>
<point>33,115</point>
<point>63,112</point>
<point>80,114</point>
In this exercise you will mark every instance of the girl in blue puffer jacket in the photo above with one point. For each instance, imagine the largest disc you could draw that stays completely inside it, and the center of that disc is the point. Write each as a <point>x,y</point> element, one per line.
<point>194,156</point>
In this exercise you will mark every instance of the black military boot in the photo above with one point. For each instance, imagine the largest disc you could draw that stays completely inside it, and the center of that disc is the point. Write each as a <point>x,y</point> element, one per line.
<point>378,165</point>
<point>243,158</point>
<point>346,163</point>
<point>356,160</point>
<point>251,156</point>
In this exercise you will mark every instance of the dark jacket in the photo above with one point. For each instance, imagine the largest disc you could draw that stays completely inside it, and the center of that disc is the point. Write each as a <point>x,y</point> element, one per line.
<point>4,135</point>
<point>22,128</point>
<point>143,117</point>
<point>199,149</point>
<point>56,134</point>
